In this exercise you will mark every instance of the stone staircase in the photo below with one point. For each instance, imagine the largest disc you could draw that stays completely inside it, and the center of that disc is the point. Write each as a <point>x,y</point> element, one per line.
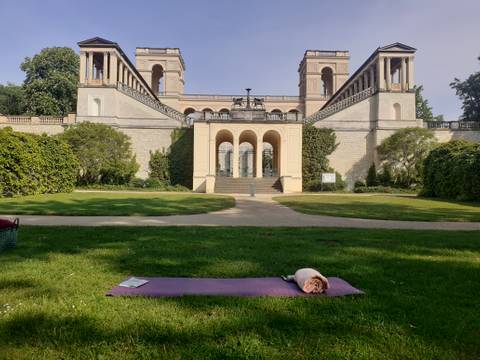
<point>340,105</point>
<point>266,185</point>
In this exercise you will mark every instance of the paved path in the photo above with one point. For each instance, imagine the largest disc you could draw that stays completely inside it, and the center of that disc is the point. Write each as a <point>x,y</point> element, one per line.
<point>259,211</point>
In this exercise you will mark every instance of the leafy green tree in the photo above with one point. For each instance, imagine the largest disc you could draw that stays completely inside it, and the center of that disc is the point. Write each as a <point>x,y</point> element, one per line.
<point>372,179</point>
<point>159,166</point>
<point>318,143</point>
<point>469,93</point>
<point>423,109</point>
<point>404,153</point>
<point>51,81</point>
<point>385,178</point>
<point>105,154</point>
<point>12,99</point>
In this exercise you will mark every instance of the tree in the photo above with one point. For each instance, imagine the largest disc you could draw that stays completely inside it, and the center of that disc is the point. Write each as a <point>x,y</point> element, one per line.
<point>318,143</point>
<point>51,81</point>
<point>104,153</point>
<point>423,110</point>
<point>372,179</point>
<point>404,152</point>
<point>159,166</point>
<point>469,93</point>
<point>12,99</point>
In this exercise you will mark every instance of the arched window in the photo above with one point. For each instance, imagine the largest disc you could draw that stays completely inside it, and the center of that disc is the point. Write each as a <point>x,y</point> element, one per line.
<point>327,82</point>
<point>207,110</point>
<point>157,79</point>
<point>188,111</point>
<point>397,111</point>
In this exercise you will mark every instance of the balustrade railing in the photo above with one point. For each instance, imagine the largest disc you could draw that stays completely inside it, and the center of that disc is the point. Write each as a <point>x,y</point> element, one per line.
<point>50,120</point>
<point>453,125</point>
<point>153,103</point>
<point>20,120</point>
<point>340,105</point>
<point>256,116</point>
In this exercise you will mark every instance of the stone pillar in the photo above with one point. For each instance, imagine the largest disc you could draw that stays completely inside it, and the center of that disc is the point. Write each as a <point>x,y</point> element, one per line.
<point>411,81</point>
<point>381,73</point>
<point>403,75</point>
<point>83,67</point>
<point>372,77</point>
<point>389,74</point>
<point>236,154</point>
<point>90,66</point>
<point>259,159</point>
<point>125,74</point>
<point>113,76</point>
<point>355,87</point>
<point>365,80</point>
<point>105,68</point>
<point>212,171</point>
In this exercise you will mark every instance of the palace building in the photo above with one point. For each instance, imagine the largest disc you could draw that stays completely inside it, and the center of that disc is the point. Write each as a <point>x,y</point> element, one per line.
<point>245,139</point>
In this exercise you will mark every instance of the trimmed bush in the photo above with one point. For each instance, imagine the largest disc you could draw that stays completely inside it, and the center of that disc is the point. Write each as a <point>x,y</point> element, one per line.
<point>452,170</point>
<point>104,153</point>
<point>33,164</point>
<point>372,176</point>
<point>381,189</point>
<point>159,166</point>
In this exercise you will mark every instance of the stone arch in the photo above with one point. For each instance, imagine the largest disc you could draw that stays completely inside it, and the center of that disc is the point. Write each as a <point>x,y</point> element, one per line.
<point>157,79</point>
<point>327,81</point>
<point>248,144</point>
<point>207,110</point>
<point>397,111</point>
<point>276,111</point>
<point>189,111</point>
<point>224,153</point>
<point>271,153</point>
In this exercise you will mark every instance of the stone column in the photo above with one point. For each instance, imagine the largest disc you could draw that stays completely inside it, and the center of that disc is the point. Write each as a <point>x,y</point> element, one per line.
<point>355,87</point>
<point>389,74</point>
<point>411,81</point>
<point>113,76</point>
<point>259,159</point>
<point>372,77</point>
<point>105,67</point>
<point>365,80</point>
<point>403,75</point>
<point>236,153</point>
<point>90,65</point>
<point>212,158</point>
<point>381,73</point>
<point>83,67</point>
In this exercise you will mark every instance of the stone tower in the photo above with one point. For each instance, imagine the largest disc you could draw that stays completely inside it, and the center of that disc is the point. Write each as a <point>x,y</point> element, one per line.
<point>163,69</point>
<point>322,73</point>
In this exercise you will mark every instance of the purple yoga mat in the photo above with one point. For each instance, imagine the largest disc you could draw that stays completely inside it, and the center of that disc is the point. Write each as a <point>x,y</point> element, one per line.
<point>270,286</point>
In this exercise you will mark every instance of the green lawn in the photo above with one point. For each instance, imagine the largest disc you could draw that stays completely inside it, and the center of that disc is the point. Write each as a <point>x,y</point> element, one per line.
<point>421,297</point>
<point>105,203</point>
<point>388,207</point>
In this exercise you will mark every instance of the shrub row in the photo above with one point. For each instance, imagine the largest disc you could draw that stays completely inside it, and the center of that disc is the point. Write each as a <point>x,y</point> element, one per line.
<point>381,189</point>
<point>452,170</point>
<point>35,164</point>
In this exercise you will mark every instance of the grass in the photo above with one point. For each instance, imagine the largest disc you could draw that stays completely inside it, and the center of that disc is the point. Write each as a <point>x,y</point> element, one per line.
<point>114,204</point>
<point>387,207</point>
<point>421,297</point>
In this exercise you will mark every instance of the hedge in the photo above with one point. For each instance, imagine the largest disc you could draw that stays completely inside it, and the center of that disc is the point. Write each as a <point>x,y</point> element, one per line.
<point>35,164</point>
<point>452,170</point>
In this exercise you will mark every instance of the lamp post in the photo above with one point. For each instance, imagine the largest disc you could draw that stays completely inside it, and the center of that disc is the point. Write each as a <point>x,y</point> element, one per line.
<point>248,98</point>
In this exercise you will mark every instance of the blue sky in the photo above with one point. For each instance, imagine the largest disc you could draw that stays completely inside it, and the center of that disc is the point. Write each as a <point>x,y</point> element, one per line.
<point>230,45</point>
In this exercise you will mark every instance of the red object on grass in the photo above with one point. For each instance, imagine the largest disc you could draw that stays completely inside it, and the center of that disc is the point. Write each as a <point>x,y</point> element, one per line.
<point>8,224</point>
